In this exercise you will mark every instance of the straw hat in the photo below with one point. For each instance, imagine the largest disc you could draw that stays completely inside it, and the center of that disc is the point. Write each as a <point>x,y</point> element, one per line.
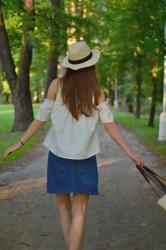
<point>79,56</point>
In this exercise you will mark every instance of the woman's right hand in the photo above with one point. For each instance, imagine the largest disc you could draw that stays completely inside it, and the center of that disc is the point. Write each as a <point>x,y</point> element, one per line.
<point>137,160</point>
<point>11,149</point>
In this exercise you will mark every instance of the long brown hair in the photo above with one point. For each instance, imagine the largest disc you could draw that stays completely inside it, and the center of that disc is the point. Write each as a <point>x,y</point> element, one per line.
<point>78,89</point>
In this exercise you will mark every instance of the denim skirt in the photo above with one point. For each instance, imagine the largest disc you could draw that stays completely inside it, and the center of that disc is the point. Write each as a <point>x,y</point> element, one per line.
<point>72,175</point>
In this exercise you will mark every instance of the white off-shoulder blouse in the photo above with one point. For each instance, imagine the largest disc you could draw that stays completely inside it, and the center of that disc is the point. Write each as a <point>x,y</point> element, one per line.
<point>67,137</point>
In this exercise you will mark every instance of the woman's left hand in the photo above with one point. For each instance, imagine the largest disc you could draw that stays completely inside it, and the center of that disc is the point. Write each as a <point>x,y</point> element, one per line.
<point>11,149</point>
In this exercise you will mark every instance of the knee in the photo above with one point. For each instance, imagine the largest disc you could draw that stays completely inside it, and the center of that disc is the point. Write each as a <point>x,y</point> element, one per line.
<point>63,201</point>
<point>79,215</point>
<point>79,210</point>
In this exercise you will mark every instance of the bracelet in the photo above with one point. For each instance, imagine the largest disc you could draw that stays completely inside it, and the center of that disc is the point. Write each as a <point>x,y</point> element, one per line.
<point>21,141</point>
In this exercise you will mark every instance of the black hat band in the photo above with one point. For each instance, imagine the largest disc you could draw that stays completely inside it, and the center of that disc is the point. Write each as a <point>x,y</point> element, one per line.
<point>81,60</point>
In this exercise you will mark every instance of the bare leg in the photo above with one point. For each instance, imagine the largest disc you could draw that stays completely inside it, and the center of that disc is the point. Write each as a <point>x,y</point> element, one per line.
<point>65,212</point>
<point>79,206</point>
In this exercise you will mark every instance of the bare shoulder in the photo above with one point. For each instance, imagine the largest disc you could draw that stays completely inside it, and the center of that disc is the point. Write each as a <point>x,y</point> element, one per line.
<point>52,90</point>
<point>101,97</point>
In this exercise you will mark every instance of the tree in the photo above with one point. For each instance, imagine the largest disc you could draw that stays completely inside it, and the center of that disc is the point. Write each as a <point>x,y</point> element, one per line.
<point>19,82</point>
<point>53,57</point>
<point>134,38</point>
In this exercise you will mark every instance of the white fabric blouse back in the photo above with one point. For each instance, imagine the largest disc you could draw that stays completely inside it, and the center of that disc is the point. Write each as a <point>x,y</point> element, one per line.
<point>67,137</point>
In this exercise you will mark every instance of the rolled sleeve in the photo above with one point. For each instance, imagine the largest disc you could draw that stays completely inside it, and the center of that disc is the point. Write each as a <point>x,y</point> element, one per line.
<point>105,113</point>
<point>44,111</point>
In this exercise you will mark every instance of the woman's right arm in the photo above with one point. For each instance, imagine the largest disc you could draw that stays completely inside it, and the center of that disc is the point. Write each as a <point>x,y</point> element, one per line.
<point>41,118</point>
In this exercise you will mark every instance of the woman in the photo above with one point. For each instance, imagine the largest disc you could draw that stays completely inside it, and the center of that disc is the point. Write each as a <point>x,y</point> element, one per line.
<point>74,104</point>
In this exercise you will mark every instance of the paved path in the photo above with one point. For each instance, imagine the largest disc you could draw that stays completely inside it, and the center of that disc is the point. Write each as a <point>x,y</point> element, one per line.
<point>124,216</point>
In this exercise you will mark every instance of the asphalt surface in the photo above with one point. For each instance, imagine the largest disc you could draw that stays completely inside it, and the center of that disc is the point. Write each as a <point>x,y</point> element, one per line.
<point>125,215</point>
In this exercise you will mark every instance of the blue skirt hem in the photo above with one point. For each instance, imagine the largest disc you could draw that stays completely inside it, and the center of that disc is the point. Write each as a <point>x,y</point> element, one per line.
<point>70,191</point>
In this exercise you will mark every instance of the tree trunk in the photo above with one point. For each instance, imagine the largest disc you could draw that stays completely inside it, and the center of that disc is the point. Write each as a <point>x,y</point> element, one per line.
<point>130,108</point>
<point>6,57</point>
<point>56,3</point>
<point>19,85</point>
<point>1,86</point>
<point>7,98</point>
<point>53,59</point>
<point>51,70</point>
<point>23,105</point>
<point>1,90</point>
<point>153,103</point>
<point>138,88</point>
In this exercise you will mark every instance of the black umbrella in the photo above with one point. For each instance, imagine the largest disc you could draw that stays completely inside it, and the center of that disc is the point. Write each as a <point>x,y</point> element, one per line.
<point>151,176</point>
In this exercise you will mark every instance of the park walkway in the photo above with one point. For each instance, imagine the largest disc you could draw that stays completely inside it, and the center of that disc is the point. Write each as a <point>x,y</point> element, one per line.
<point>124,216</point>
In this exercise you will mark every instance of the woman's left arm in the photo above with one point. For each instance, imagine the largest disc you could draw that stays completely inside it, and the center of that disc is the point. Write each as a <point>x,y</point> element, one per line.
<point>41,118</point>
<point>113,130</point>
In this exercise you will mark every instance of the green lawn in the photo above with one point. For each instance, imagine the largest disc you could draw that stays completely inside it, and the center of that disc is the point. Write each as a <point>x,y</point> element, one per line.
<point>7,138</point>
<point>148,135</point>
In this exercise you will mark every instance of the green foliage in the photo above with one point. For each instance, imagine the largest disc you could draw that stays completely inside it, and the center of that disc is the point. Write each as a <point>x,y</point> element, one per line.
<point>122,30</point>
<point>6,89</point>
<point>134,30</point>
<point>13,13</point>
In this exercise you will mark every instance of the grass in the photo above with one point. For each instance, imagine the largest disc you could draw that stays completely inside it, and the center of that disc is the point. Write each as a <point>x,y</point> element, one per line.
<point>148,135</point>
<point>8,138</point>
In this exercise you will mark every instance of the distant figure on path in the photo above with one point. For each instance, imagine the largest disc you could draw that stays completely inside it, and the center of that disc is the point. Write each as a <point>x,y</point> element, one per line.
<point>75,104</point>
